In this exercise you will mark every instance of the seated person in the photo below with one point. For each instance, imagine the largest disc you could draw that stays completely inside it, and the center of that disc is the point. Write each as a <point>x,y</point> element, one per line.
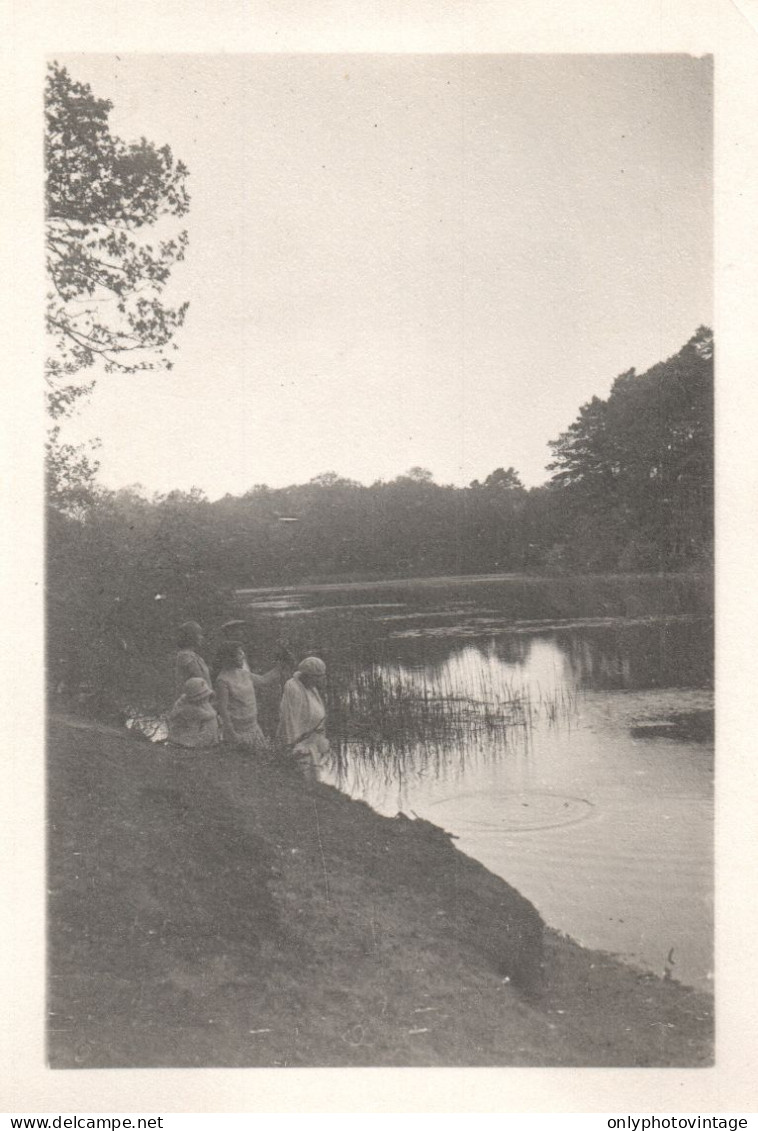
<point>192,721</point>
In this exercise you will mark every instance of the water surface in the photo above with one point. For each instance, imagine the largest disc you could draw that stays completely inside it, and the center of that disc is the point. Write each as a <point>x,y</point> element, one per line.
<point>534,751</point>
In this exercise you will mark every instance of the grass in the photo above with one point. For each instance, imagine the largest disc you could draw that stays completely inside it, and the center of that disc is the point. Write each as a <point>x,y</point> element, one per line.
<point>213,910</point>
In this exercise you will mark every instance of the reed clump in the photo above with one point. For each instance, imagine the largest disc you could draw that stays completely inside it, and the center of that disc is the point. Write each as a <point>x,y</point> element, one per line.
<point>424,721</point>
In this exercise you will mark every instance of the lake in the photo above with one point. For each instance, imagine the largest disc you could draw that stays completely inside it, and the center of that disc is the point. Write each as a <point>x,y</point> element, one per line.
<point>559,729</point>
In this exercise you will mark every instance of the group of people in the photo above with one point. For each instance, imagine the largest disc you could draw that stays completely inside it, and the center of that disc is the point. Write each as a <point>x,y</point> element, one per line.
<point>222,706</point>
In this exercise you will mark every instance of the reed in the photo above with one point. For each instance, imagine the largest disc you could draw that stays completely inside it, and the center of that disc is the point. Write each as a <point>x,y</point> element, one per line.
<point>396,721</point>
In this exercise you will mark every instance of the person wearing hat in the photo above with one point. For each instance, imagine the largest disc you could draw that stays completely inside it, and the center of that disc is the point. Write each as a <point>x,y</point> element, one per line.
<point>192,721</point>
<point>189,663</point>
<point>302,717</point>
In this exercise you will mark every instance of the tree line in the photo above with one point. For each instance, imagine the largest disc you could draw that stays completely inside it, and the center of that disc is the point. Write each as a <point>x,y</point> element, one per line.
<point>631,490</point>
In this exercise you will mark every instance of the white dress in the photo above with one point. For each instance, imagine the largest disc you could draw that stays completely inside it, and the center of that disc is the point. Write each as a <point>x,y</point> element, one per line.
<point>235,694</point>
<point>302,719</point>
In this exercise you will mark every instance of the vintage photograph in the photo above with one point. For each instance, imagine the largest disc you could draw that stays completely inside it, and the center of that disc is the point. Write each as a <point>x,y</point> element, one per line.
<point>379,560</point>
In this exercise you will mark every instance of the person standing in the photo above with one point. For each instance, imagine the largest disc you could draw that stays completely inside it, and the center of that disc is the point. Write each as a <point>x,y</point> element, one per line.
<point>189,663</point>
<point>302,717</point>
<point>236,697</point>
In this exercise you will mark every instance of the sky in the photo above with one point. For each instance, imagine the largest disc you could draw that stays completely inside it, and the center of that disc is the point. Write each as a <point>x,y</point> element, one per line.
<point>406,260</point>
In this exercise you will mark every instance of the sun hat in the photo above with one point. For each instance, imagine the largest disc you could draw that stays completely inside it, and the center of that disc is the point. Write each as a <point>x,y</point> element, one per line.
<point>196,689</point>
<point>312,665</point>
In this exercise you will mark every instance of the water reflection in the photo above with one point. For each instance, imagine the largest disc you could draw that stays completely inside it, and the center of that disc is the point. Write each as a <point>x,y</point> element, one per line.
<point>440,705</point>
<point>403,722</point>
<point>400,714</point>
<point>667,653</point>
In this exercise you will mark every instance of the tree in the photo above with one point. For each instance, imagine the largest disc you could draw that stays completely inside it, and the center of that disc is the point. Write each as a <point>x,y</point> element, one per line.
<point>332,479</point>
<point>635,471</point>
<point>584,455</point>
<point>104,305</point>
<point>71,470</point>
<point>493,521</point>
<point>503,480</point>
<point>419,475</point>
<point>120,578</point>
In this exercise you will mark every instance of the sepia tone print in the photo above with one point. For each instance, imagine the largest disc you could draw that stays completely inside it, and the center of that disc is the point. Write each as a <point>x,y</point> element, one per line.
<point>379,561</point>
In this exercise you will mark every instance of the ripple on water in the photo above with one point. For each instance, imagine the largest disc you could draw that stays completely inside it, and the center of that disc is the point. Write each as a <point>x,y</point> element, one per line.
<point>516,812</point>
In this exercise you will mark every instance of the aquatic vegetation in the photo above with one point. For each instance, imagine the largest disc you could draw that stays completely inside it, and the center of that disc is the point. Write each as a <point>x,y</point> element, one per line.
<point>398,720</point>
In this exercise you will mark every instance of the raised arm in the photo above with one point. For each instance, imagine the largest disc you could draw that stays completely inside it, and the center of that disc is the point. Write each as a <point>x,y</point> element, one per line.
<point>273,676</point>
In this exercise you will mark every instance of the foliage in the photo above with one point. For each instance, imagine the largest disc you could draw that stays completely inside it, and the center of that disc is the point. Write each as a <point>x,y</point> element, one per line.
<point>70,471</point>
<point>122,574</point>
<point>635,471</point>
<point>500,478</point>
<point>334,527</point>
<point>416,475</point>
<point>105,199</point>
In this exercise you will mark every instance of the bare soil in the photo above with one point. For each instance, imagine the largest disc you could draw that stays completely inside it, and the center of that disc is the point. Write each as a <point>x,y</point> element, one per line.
<point>216,910</point>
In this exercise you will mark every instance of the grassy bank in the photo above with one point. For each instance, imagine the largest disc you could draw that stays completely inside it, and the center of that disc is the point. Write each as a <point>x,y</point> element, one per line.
<point>213,910</point>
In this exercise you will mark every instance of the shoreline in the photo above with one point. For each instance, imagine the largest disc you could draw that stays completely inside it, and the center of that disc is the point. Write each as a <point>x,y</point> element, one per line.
<point>211,910</point>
